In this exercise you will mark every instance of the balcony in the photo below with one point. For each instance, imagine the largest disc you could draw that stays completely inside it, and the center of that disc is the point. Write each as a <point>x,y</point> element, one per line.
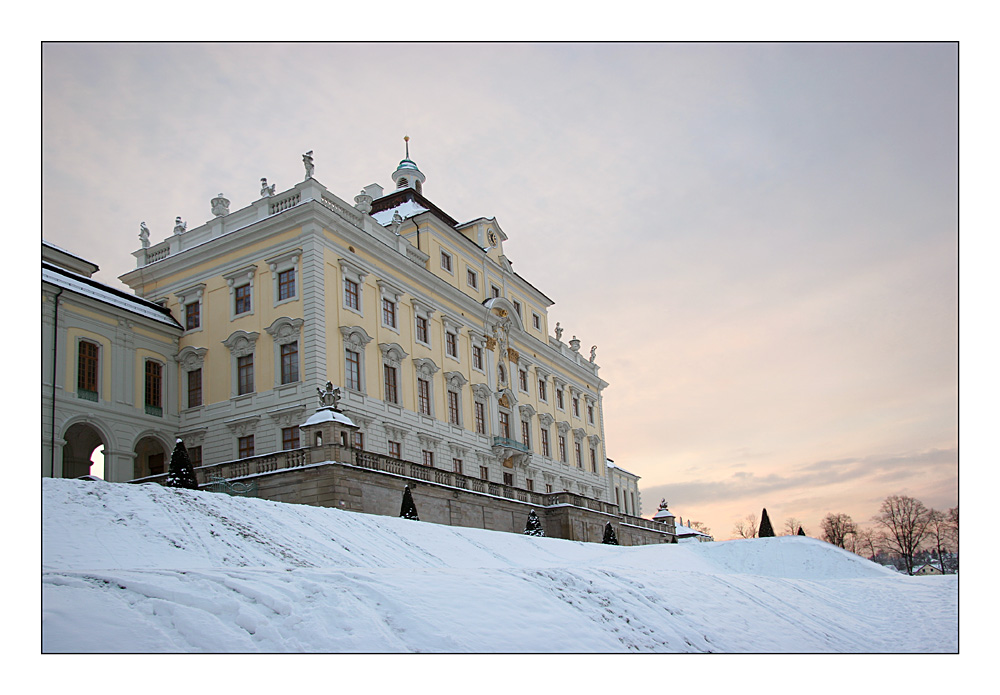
<point>511,444</point>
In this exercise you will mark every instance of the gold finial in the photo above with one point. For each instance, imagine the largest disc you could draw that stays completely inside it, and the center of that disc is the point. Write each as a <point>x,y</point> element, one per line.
<point>406,139</point>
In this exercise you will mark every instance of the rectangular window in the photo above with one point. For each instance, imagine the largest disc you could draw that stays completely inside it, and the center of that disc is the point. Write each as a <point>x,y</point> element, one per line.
<point>154,387</point>
<point>352,372</point>
<point>541,391</point>
<point>286,284</point>
<point>504,425</point>
<point>351,297</point>
<point>536,321</point>
<point>242,298</point>
<point>530,484</point>
<point>484,472</point>
<point>289,438</point>
<point>395,450</point>
<point>289,363</point>
<point>562,448</point>
<point>517,308</point>
<point>545,442</point>
<point>494,291</point>
<point>579,456</point>
<point>576,406</point>
<point>477,357</point>
<point>472,278</point>
<point>480,418</point>
<point>451,344</point>
<point>508,479</point>
<point>522,379</point>
<point>194,454</point>
<point>391,388</point>
<point>358,440</point>
<point>389,313</point>
<point>593,459</point>
<point>526,433</point>
<point>244,373</point>
<point>446,261</point>
<point>424,396</point>
<point>428,457</point>
<point>422,330</point>
<point>86,375</point>
<point>559,399</point>
<point>246,446</point>
<point>590,414</point>
<point>457,464</point>
<point>194,388</point>
<point>453,413</point>
<point>192,315</point>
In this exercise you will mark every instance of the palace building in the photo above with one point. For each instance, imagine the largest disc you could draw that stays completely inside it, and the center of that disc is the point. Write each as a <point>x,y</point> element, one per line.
<point>444,357</point>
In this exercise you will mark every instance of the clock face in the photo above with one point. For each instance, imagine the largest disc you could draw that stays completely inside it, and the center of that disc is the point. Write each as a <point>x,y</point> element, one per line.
<point>492,236</point>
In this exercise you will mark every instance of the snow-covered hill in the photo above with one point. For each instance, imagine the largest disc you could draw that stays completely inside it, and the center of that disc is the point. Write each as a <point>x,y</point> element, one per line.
<point>142,568</point>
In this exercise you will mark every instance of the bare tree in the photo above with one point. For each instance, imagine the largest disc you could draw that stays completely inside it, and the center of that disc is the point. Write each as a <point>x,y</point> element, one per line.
<point>836,529</point>
<point>791,527</point>
<point>939,535</point>
<point>698,526</point>
<point>746,528</point>
<point>906,522</point>
<point>867,544</point>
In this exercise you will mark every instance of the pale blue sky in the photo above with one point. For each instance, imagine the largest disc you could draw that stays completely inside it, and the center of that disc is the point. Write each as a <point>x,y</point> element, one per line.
<point>760,238</point>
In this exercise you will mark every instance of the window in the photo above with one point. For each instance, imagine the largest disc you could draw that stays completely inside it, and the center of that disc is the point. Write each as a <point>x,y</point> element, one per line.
<point>286,284</point>
<point>395,450</point>
<point>358,440</point>
<point>562,448</point>
<point>289,363</point>
<point>472,278</point>
<point>192,316</point>
<point>389,313</point>
<point>422,330</point>
<point>545,442</point>
<point>579,456</point>
<point>477,357</point>
<point>548,489</point>
<point>244,372</point>
<point>504,425</point>
<point>494,291</point>
<point>86,370</point>
<point>480,418</point>
<point>522,379</point>
<point>352,297</point>
<point>484,472</point>
<point>517,308</point>
<point>391,388</point>
<point>530,484</point>
<point>576,406</point>
<point>194,388</point>
<point>542,396</point>
<point>451,344</point>
<point>445,261</point>
<point>457,464</point>
<point>424,396</point>
<point>246,446</point>
<point>289,438</point>
<point>593,459</point>
<point>453,409</point>
<point>352,370</point>
<point>508,479</point>
<point>536,321</point>
<point>590,414</point>
<point>559,399</point>
<point>242,299</point>
<point>154,388</point>
<point>428,457</point>
<point>526,433</point>
<point>194,454</point>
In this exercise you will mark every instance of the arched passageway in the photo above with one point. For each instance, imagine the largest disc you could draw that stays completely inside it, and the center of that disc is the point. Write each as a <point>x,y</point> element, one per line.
<point>150,457</point>
<point>81,442</point>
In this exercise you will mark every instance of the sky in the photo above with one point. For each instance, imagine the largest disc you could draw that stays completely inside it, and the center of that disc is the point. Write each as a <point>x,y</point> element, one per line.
<point>760,239</point>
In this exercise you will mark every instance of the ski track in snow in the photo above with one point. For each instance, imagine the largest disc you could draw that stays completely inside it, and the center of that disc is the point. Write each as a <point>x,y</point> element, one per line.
<point>142,568</point>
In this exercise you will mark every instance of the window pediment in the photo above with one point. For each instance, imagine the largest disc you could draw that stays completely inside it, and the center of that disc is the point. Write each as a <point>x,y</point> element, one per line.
<point>241,343</point>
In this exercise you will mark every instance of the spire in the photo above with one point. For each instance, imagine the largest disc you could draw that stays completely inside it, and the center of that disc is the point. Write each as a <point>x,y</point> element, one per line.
<point>407,174</point>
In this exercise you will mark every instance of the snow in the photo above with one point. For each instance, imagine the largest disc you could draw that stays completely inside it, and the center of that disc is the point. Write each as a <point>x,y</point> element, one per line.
<point>144,568</point>
<point>68,280</point>
<point>406,209</point>
<point>327,415</point>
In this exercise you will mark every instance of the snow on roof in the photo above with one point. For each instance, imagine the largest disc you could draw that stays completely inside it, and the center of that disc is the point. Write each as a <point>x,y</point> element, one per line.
<point>328,415</point>
<point>406,209</point>
<point>108,295</point>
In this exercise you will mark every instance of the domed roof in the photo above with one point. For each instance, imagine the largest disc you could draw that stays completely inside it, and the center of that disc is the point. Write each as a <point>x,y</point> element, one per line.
<point>407,164</point>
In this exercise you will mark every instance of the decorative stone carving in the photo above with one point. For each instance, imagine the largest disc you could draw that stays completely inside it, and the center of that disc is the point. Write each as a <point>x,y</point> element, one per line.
<point>288,417</point>
<point>392,353</point>
<point>191,358</point>
<point>241,343</point>
<point>144,235</point>
<point>220,206</point>
<point>355,337</point>
<point>545,420</point>
<point>574,344</point>
<point>559,332</point>
<point>455,380</point>
<point>285,330</point>
<point>179,226</point>
<point>513,355</point>
<point>265,190</point>
<point>593,353</point>
<point>527,410</point>
<point>491,343</point>
<point>481,392</point>
<point>243,426</point>
<point>307,162</point>
<point>363,202</point>
<point>396,223</point>
<point>329,397</point>
<point>425,367</point>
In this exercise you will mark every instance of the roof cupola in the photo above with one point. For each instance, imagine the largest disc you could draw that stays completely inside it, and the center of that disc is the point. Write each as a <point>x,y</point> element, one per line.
<point>407,175</point>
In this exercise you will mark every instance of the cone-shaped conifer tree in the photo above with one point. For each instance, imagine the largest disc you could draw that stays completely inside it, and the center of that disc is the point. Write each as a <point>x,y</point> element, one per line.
<point>409,509</point>
<point>181,473</point>
<point>766,530</point>
<point>610,537</point>
<point>534,526</point>
<point>801,532</point>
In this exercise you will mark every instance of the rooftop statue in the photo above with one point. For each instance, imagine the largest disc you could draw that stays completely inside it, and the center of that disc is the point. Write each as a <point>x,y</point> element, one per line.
<point>265,190</point>
<point>307,161</point>
<point>144,235</point>
<point>329,398</point>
